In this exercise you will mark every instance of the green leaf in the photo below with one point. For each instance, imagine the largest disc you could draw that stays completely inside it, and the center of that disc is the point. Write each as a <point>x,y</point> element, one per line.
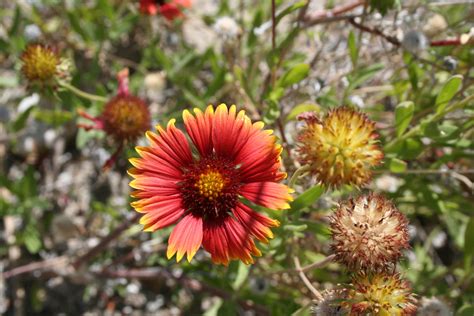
<point>31,239</point>
<point>214,309</point>
<point>273,110</point>
<point>353,51</point>
<point>295,228</point>
<point>469,238</point>
<point>403,116</point>
<point>294,75</point>
<point>307,198</point>
<point>289,9</point>
<point>362,75</point>
<point>397,165</point>
<point>448,91</point>
<point>53,117</point>
<point>242,274</point>
<point>16,22</point>
<point>301,108</point>
<point>20,122</point>
<point>466,310</point>
<point>77,27</point>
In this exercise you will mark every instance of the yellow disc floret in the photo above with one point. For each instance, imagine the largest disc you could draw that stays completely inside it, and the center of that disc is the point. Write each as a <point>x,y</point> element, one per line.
<point>210,184</point>
<point>380,294</point>
<point>341,148</point>
<point>39,63</point>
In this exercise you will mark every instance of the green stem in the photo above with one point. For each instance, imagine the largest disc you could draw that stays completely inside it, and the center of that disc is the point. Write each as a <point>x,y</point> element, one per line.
<point>297,174</point>
<point>83,94</point>
<point>430,119</point>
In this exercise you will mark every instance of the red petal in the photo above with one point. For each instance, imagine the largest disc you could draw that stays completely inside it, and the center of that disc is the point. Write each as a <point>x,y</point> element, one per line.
<point>226,239</point>
<point>269,194</point>
<point>258,224</point>
<point>186,238</point>
<point>170,11</point>
<point>260,156</point>
<point>159,212</point>
<point>151,162</point>
<point>151,182</point>
<point>199,129</point>
<point>148,7</point>
<point>171,145</point>
<point>230,131</point>
<point>241,244</point>
<point>215,242</point>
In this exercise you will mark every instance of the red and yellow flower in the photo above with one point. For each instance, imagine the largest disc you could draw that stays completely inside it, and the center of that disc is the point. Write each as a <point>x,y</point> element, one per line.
<point>199,184</point>
<point>169,9</point>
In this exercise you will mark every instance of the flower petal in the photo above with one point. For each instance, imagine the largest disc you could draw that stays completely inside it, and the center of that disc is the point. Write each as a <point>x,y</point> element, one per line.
<point>258,224</point>
<point>241,244</point>
<point>269,194</point>
<point>171,145</point>
<point>159,213</point>
<point>230,131</point>
<point>260,156</point>
<point>215,242</point>
<point>186,238</point>
<point>199,128</point>
<point>226,239</point>
<point>152,164</point>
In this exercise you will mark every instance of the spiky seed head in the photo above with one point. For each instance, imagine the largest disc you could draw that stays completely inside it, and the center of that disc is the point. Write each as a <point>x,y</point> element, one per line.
<point>126,117</point>
<point>383,294</point>
<point>340,148</point>
<point>368,233</point>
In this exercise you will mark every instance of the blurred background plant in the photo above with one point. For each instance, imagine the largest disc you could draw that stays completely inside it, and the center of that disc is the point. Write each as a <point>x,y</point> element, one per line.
<point>69,242</point>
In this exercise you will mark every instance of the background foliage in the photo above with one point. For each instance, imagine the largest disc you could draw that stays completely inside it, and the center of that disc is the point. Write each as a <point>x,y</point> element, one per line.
<point>56,203</point>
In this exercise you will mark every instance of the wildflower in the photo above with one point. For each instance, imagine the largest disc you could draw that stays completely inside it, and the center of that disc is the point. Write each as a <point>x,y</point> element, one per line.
<point>125,117</point>
<point>227,28</point>
<point>340,148</point>
<point>368,233</point>
<point>169,9</point>
<point>234,158</point>
<point>380,294</point>
<point>43,67</point>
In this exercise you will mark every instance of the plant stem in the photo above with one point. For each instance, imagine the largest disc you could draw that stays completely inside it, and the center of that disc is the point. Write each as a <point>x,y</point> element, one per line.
<point>297,174</point>
<point>306,281</point>
<point>83,94</point>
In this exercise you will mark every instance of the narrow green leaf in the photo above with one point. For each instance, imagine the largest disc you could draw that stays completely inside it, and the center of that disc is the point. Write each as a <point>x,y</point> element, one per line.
<point>77,27</point>
<point>294,75</point>
<point>469,238</point>
<point>353,51</point>
<point>16,22</point>
<point>397,165</point>
<point>295,228</point>
<point>301,108</point>
<point>307,198</point>
<point>214,309</point>
<point>242,274</point>
<point>288,10</point>
<point>20,122</point>
<point>448,91</point>
<point>403,116</point>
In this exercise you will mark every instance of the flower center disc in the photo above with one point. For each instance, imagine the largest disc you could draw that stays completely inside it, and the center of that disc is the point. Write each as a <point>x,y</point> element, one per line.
<point>210,188</point>
<point>210,184</point>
